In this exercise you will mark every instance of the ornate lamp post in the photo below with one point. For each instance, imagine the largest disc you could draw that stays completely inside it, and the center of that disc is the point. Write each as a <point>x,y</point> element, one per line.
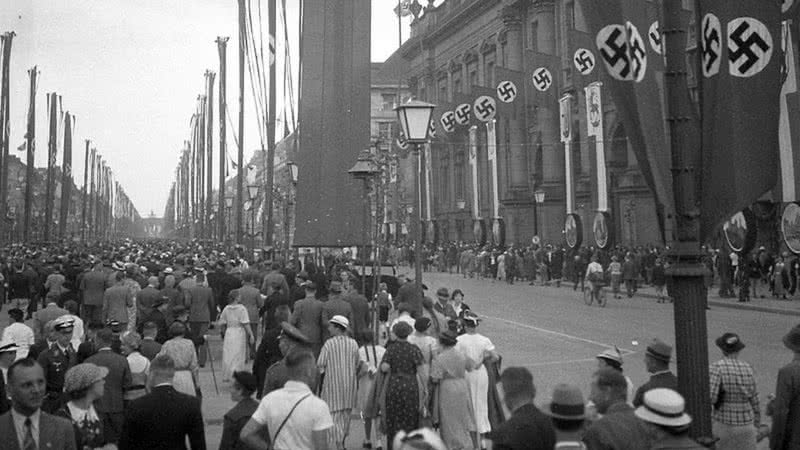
<point>415,120</point>
<point>538,196</point>
<point>364,169</point>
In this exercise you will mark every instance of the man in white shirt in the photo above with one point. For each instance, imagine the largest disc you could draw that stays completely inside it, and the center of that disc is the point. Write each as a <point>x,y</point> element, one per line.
<point>18,333</point>
<point>294,416</point>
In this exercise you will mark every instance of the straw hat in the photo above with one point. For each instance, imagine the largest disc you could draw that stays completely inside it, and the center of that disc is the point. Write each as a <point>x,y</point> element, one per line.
<point>663,407</point>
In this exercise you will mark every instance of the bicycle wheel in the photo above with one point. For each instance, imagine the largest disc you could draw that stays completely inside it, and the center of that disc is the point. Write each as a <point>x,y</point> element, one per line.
<point>587,295</point>
<point>601,297</point>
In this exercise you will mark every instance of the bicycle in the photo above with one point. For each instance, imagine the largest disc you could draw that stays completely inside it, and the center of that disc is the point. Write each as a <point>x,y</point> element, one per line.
<point>601,295</point>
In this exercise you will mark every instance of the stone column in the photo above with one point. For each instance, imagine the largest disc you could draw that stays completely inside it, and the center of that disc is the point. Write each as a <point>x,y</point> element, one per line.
<point>517,154</point>
<point>547,115</point>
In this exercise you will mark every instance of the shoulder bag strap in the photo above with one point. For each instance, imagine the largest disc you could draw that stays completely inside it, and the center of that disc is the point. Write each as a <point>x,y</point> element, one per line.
<point>280,427</point>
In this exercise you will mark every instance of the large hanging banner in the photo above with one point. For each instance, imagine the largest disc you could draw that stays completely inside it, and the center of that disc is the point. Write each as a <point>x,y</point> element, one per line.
<point>566,137</point>
<point>741,85</point>
<point>594,122</point>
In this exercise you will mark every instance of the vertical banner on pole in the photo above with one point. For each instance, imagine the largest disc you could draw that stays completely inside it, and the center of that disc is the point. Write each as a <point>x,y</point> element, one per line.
<point>473,162</point>
<point>491,147</point>
<point>594,122</point>
<point>428,196</point>
<point>566,137</point>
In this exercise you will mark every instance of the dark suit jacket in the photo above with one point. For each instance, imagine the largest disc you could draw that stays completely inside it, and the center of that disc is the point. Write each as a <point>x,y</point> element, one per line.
<point>55,433</point>
<point>360,309</point>
<point>117,380</point>
<point>307,317</point>
<point>786,409</point>
<point>234,421</point>
<point>618,429</point>
<point>662,380</point>
<point>161,420</point>
<point>5,404</point>
<point>201,302</point>
<point>527,429</point>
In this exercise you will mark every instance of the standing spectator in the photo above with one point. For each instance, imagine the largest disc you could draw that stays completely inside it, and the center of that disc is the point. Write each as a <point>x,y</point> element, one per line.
<point>478,350</point>
<point>222,283</point>
<point>527,428</point>
<point>725,270</point>
<point>615,270</point>
<point>56,360</point>
<point>242,390</point>
<point>659,280</point>
<point>307,316</point>
<point>164,418</point>
<point>184,360</point>
<point>786,405</point>
<point>50,312</point>
<point>77,323</point>
<point>174,298</point>
<point>335,306</point>
<point>131,342</point>
<point>20,290</point>
<point>84,384</point>
<point>734,396</point>
<point>452,410</point>
<point>92,286</point>
<point>370,355</point>
<point>200,300</point>
<point>269,349</point>
<point>118,380</point>
<point>339,361</point>
<point>150,347</point>
<point>567,412</point>
<point>18,333</point>
<point>293,417</point>
<point>277,374</point>
<point>234,325</point>
<point>252,300</point>
<point>361,316</point>
<point>618,428</point>
<point>8,352</point>
<point>443,305</point>
<point>26,422</point>
<point>629,274</point>
<point>401,362</point>
<point>54,285</point>
<point>116,301</point>
<point>779,277</point>
<point>656,360</point>
<point>667,423</point>
<point>147,299</point>
<point>613,358</point>
<point>425,343</point>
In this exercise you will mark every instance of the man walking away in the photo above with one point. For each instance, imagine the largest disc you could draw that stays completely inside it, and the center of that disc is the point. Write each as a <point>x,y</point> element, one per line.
<point>111,408</point>
<point>785,407</point>
<point>528,428</point>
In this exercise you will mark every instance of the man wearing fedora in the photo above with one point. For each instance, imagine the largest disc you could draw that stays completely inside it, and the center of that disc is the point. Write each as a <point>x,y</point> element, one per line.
<point>736,414</point>
<point>786,405</point>
<point>656,359</point>
<point>567,411</point>
<point>667,423</point>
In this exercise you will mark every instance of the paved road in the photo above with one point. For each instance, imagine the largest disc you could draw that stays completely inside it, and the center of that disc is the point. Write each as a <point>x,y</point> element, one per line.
<point>553,333</point>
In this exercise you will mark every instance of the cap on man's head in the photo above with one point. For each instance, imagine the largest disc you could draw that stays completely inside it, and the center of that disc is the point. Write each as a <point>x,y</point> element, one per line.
<point>246,379</point>
<point>443,292</point>
<point>340,320</point>
<point>63,323</point>
<point>567,403</point>
<point>659,350</point>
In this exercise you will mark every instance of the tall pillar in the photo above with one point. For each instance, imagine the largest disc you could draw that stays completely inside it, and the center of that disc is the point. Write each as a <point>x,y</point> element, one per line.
<point>513,59</point>
<point>552,152</point>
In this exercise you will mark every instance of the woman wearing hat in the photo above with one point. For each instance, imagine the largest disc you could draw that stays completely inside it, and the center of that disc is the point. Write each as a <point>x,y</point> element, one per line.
<point>478,350</point>
<point>452,408</point>
<point>182,352</point>
<point>234,326</point>
<point>402,362</point>
<point>83,384</point>
<point>736,412</point>
<point>139,365</point>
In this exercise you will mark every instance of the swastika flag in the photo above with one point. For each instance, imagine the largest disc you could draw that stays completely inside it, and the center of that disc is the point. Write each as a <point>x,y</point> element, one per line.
<point>741,42</point>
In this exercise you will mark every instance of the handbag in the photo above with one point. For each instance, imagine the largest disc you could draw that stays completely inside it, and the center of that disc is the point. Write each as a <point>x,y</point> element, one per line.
<point>280,427</point>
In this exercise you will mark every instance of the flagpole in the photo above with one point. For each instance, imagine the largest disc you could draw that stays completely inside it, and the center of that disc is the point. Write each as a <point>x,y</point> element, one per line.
<point>5,107</point>
<point>691,334</point>
<point>31,142</point>
<point>271,107</point>
<point>209,152</point>
<point>51,159</point>
<point>66,177</point>
<point>240,153</point>
<point>221,45</point>
<point>85,190</point>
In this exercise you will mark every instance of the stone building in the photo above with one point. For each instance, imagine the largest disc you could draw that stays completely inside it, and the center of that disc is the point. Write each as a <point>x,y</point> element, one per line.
<point>459,50</point>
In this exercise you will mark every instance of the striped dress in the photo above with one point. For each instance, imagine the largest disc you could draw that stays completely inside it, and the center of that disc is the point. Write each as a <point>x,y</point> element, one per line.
<point>339,360</point>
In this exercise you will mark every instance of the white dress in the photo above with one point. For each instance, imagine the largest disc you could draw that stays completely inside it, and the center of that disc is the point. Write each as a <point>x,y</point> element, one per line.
<point>365,381</point>
<point>474,347</point>
<point>234,346</point>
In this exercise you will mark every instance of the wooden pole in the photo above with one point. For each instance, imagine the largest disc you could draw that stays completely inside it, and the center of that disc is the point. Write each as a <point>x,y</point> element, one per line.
<point>29,171</point>
<point>240,154</point>
<point>209,151</point>
<point>691,335</point>
<point>270,159</point>
<point>201,159</point>
<point>85,190</point>
<point>4,131</point>
<point>66,177</point>
<point>51,162</point>
<point>221,46</point>
<point>92,194</point>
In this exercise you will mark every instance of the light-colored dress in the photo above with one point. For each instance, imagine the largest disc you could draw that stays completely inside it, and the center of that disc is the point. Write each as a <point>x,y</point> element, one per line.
<point>370,355</point>
<point>234,346</point>
<point>456,416</point>
<point>182,352</point>
<point>474,347</point>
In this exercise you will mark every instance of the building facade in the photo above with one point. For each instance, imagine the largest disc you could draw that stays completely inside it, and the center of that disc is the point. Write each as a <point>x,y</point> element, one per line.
<point>461,49</point>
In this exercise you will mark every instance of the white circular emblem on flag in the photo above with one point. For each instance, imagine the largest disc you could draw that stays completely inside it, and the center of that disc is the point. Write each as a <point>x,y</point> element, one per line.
<point>448,121</point>
<point>654,36</point>
<point>432,129</point>
<point>612,44</point>
<point>749,46</point>
<point>507,91</point>
<point>584,61</point>
<point>542,79</point>
<point>485,108</point>
<point>711,45</point>
<point>462,113</point>
<point>637,51</point>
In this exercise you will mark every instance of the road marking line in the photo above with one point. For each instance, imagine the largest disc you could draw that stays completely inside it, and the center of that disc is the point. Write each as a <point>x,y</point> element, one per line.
<point>555,363</point>
<point>563,335</point>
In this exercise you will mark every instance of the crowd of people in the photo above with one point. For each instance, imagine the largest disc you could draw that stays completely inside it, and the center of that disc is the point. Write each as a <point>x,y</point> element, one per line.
<point>105,344</point>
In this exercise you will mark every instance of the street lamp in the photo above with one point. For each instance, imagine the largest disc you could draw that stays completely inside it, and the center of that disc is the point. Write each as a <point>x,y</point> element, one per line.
<point>538,195</point>
<point>364,169</point>
<point>415,120</point>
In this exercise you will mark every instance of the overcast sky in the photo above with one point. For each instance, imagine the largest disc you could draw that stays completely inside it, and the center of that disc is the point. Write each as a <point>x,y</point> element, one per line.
<point>131,70</point>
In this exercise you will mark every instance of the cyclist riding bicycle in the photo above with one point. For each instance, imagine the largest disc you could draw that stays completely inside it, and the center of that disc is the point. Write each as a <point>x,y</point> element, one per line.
<point>595,275</point>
